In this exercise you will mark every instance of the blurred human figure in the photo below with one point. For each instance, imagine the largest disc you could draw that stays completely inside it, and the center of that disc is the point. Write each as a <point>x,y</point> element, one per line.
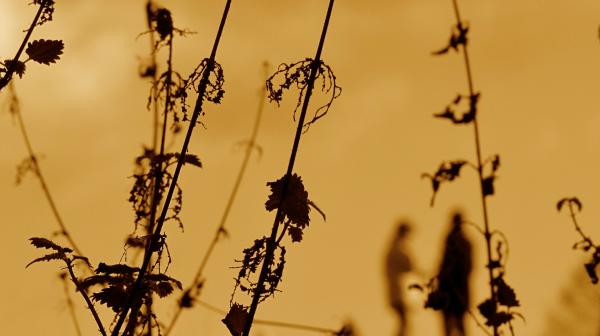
<point>453,277</point>
<point>398,263</point>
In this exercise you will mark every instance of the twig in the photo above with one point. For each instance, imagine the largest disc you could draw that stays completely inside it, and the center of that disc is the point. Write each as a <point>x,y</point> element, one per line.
<point>271,242</point>
<point>89,303</point>
<point>70,305</point>
<point>12,65</point>
<point>134,296</point>
<point>221,228</point>
<point>15,109</point>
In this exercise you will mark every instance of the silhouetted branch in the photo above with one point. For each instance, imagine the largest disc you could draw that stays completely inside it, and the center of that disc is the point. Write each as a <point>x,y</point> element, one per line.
<point>271,242</point>
<point>70,305</point>
<point>134,295</point>
<point>191,293</point>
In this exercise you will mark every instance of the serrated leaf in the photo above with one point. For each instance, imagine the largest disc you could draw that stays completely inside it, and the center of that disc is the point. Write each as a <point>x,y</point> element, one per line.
<point>506,295</point>
<point>48,244</point>
<point>114,297</point>
<point>18,67</point>
<point>45,51</point>
<point>48,257</point>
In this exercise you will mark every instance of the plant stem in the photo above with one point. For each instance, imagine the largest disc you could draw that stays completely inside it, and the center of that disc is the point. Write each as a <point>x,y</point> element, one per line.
<point>287,325</point>
<point>70,305</point>
<point>488,236</point>
<point>38,173</point>
<point>155,113</point>
<point>271,242</point>
<point>158,168</point>
<point>83,293</point>
<point>135,294</point>
<point>221,228</point>
<point>577,227</point>
<point>11,66</point>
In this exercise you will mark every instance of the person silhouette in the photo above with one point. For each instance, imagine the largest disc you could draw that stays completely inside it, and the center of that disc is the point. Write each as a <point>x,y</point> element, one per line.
<point>453,277</point>
<point>398,263</point>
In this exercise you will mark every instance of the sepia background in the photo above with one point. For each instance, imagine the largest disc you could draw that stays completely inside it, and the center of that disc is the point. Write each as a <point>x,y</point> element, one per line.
<point>536,63</point>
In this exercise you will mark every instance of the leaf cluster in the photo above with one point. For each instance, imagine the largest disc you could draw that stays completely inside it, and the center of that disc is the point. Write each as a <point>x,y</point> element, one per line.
<point>41,51</point>
<point>250,266</point>
<point>148,165</point>
<point>118,279</point>
<point>297,75</point>
<point>460,118</point>
<point>458,37</point>
<point>215,79</point>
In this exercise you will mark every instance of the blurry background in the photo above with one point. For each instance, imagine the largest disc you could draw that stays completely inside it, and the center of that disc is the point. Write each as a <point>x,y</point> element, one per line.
<point>537,64</point>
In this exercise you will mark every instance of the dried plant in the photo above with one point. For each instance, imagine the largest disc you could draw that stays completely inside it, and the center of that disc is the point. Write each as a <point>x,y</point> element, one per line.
<point>288,195</point>
<point>498,309</point>
<point>585,244</point>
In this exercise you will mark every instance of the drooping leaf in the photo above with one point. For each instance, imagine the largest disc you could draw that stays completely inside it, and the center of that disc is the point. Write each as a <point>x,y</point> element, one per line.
<point>45,51</point>
<point>48,257</point>
<point>236,319</point>
<point>114,297</point>
<point>295,201</point>
<point>506,295</point>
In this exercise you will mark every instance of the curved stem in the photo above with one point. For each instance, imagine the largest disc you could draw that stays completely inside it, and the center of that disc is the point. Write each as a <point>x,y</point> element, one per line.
<point>11,67</point>
<point>40,176</point>
<point>271,242</point>
<point>221,228</point>
<point>479,166</point>
<point>135,294</point>
<point>70,304</point>
<point>89,303</point>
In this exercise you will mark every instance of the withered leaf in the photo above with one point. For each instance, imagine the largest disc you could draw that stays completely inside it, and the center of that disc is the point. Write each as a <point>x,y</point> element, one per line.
<point>45,51</point>
<point>487,186</point>
<point>506,295</point>
<point>236,319</point>
<point>295,201</point>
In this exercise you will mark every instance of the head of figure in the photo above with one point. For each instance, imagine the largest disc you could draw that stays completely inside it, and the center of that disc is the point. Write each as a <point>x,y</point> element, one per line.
<point>457,221</point>
<point>403,230</point>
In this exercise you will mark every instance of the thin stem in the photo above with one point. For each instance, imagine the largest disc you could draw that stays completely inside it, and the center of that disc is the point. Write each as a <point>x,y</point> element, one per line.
<point>221,228</point>
<point>487,234</point>
<point>271,242</point>
<point>155,111</point>
<point>287,325</point>
<point>577,227</point>
<point>89,303</point>
<point>40,176</point>
<point>12,65</point>
<point>135,294</point>
<point>70,305</point>
<point>158,169</point>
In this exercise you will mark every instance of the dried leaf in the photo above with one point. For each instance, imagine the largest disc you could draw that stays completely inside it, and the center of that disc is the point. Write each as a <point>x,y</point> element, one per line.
<point>45,51</point>
<point>236,319</point>
<point>18,67</point>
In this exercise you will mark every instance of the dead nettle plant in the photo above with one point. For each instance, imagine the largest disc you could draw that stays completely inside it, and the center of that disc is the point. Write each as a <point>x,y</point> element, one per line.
<point>585,244</point>
<point>498,309</point>
<point>191,294</point>
<point>288,195</point>
<point>125,289</point>
<point>40,51</point>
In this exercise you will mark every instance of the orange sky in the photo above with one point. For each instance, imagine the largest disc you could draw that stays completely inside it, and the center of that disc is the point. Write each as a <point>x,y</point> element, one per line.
<point>537,64</point>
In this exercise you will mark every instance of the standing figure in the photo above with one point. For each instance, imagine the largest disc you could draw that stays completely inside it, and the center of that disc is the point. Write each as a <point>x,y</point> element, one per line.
<point>454,278</point>
<point>397,265</point>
